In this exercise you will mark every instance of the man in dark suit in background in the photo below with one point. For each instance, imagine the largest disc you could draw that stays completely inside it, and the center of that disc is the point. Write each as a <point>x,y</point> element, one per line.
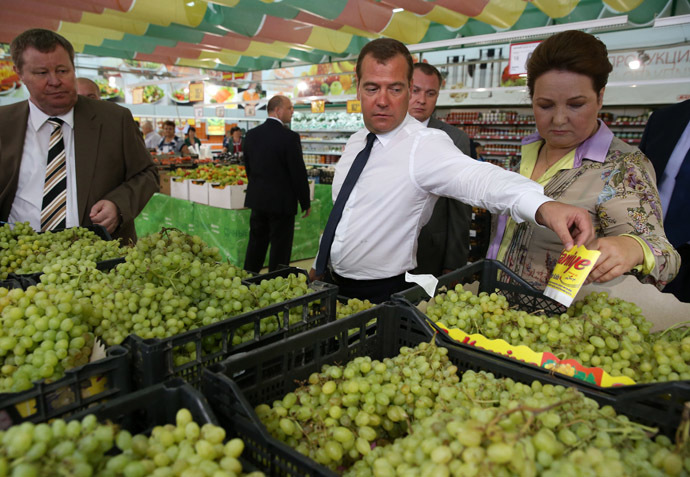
<point>106,176</point>
<point>277,180</point>
<point>444,242</point>
<point>666,142</point>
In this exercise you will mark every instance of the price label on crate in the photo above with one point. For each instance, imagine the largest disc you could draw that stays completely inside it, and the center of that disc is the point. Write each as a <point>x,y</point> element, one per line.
<point>196,92</point>
<point>138,95</point>
<point>220,111</point>
<point>354,106</point>
<point>318,106</point>
<point>199,112</point>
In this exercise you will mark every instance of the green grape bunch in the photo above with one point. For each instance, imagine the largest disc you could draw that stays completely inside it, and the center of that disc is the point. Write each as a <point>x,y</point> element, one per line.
<point>340,413</point>
<point>24,251</point>
<point>85,448</point>
<point>496,426</point>
<point>43,332</point>
<point>598,331</point>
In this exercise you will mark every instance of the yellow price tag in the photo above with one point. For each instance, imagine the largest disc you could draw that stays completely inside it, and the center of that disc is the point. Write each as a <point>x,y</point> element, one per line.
<point>354,106</point>
<point>137,95</point>
<point>196,91</point>
<point>318,106</point>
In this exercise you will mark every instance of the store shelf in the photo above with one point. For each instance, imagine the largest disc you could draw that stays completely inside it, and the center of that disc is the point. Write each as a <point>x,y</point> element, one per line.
<point>324,141</point>
<point>318,164</point>
<point>497,138</point>
<point>480,122</point>
<point>312,131</point>
<point>323,153</point>
<point>502,153</point>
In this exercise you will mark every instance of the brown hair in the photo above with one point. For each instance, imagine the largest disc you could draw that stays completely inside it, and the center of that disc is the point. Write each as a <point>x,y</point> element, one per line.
<point>44,41</point>
<point>429,70</point>
<point>169,123</point>
<point>574,51</point>
<point>382,50</point>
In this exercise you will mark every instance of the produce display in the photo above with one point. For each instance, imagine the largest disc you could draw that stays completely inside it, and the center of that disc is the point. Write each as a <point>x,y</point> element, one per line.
<point>152,94</point>
<point>23,250</point>
<point>169,283</point>
<point>43,333</point>
<point>599,331</point>
<point>87,447</point>
<point>107,91</point>
<point>225,175</point>
<point>353,306</point>
<point>413,415</point>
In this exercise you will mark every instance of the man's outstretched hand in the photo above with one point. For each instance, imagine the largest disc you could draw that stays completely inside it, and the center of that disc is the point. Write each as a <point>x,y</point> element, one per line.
<point>573,225</point>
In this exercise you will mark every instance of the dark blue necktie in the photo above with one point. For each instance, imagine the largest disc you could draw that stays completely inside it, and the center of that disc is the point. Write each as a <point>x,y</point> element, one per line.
<point>677,224</point>
<point>339,206</point>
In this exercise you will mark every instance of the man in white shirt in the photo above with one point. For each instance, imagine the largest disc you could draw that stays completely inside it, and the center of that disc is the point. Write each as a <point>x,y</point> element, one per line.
<point>375,239</point>
<point>151,138</point>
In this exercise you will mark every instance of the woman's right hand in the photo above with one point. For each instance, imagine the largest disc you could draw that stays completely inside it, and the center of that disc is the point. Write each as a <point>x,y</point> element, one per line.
<point>619,255</point>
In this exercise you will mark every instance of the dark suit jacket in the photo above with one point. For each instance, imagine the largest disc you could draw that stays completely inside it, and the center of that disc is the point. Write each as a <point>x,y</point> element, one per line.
<point>277,176</point>
<point>111,160</point>
<point>444,242</point>
<point>664,128</point>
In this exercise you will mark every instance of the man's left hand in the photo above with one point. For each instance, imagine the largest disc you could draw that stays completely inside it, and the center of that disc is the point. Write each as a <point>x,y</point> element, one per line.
<point>573,225</point>
<point>105,213</point>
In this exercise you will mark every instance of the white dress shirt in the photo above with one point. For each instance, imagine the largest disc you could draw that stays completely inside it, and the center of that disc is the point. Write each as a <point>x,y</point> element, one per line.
<point>394,197</point>
<point>152,140</point>
<point>32,173</point>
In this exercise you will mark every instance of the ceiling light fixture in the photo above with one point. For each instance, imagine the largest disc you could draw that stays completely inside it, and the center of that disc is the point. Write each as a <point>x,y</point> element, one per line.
<point>669,21</point>
<point>637,61</point>
<point>398,10</point>
<point>528,33</point>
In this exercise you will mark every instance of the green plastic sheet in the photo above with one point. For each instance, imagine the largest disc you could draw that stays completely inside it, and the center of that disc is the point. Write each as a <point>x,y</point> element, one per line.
<point>229,229</point>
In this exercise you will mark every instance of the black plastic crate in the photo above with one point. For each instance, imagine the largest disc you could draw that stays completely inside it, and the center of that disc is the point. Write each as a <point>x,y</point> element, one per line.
<point>80,388</point>
<point>140,411</point>
<point>11,283</point>
<point>281,272</point>
<point>493,276</point>
<point>153,359</point>
<point>244,380</point>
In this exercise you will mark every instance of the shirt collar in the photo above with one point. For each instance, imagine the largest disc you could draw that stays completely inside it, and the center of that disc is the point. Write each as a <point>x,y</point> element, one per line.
<point>426,122</point>
<point>38,118</point>
<point>385,138</point>
<point>273,117</point>
<point>593,148</point>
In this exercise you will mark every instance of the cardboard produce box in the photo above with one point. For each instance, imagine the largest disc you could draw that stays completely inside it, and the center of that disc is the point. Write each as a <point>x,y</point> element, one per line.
<point>164,182</point>
<point>227,196</point>
<point>179,188</point>
<point>198,191</point>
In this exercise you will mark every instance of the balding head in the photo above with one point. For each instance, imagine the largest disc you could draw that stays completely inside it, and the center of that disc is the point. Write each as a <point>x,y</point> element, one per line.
<point>88,88</point>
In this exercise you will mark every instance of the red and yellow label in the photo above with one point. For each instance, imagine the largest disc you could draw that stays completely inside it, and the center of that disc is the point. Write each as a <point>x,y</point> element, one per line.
<point>569,367</point>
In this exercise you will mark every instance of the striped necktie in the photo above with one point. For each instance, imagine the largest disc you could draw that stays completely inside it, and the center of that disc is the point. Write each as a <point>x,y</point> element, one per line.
<point>54,207</point>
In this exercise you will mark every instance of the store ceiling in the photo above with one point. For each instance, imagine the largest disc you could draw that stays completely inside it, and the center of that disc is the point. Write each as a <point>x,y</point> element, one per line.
<point>249,35</point>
